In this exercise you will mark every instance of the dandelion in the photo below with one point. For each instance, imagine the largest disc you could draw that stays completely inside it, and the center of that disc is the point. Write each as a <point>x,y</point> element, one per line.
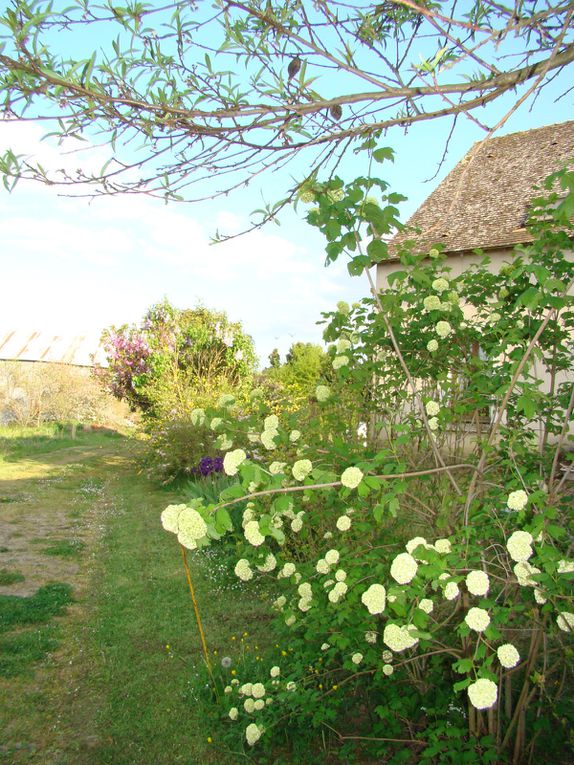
<point>226,663</point>
<point>352,477</point>
<point>482,694</point>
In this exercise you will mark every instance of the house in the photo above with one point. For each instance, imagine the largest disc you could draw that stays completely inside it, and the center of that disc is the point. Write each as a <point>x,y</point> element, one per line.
<point>483,201</point>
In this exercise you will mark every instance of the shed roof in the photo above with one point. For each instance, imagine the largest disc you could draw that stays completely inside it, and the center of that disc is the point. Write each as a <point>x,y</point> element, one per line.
<point>77,350</point>
<point>482,202</point>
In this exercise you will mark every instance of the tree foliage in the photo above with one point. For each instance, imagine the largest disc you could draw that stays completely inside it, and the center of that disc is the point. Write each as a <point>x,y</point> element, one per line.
<point>186,92</point>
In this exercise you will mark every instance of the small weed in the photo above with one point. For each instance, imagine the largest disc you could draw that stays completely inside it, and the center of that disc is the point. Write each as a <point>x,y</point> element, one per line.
<point>65,548</point>
<point>4,549</point>
<point>10,577</point>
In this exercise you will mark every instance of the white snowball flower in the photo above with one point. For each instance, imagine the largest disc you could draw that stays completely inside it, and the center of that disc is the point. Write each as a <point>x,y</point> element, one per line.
<point>566,566</point>
<point>271,422</point>
<point>539,596</point>
<point>197,417</point>
<point>451,591</point>
<point>523,572</point>
<point>275,671</point>
<point>387,656</point>
<point>287,570</point>
<point>169,517</point>
<point>253,734</point>
<point>279,602</point>
<point>477,583</point>
<point>243,570</point>
<point>432,408</point>
<point>258,690</point>
<point>332,557</point>
<point>477,619</point>
<point>340,361</point>
<point>351,477</point>
<point>565,621</point>
<point>440,285</point>
<point>338,591</point>
<point>233,712</point>
<point>291,686</point>
<point>442,546</point>
<point>297,524</point>
<point>483,694</point>
<point>224,442</point>
<point>253,534</point>
<point>375,599</point>
<point>249,706</point>
<point>357,658</point>
<point>340,575</point>
<point>246,689</point>
<point>426,605</point>
<point>432,346</point>
<point>290,620</point>
<point>232,460</point>
<point>215,423</point>
<point>305,590</point>
<point>431,303</point>
<point>322,566</point>
<point>413,543</point>
<point>267,439</point>
<point>269,564</point>
<point>322,393</point>
<point>388,669</point>
<point>508,656</point>
<point>519,546</point>
<point>443,329</point>
<point>404,568</point>
<point>517,500</point>
<point>371,637</point>
<point>325,647</point>
<point>259,705</point>
<point>301,469</point>
<point>433,423</point>
<point>343,523</point>
<point>294,436</point>
<point>343,345</point>
<point>277,467</point>
<point>399,638</point>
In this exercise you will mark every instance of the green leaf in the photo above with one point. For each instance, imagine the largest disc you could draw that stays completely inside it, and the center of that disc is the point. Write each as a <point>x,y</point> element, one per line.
<point>380,155</point>
<point>377,250</point>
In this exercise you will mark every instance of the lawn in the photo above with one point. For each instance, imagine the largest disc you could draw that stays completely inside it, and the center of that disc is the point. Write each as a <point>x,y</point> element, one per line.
<point>100,660</point>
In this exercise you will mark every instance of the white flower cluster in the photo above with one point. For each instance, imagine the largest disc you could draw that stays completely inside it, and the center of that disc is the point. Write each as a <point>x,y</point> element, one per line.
<point>287,571</point>
<point>191,527</point>
<point>301,469</point>
<point>253,533</point>
<point>517,500</point>
<point>404,568</point>
<point>351,477</point>
<point>432,303</point>
<point>169,517</point>
<point>243,570</point>
<point>565,566</point>
<point>483,693</point>
<point>294,436</point>
<point>426,605</point>
<point>269,564</point>
<point>332,557</point>
<point>339,591</point>
<point>451,591</point>
<point>523,572</point>
<point>371,637</point>
<point>375,599</point>
<point>343,523</point>
<point>413,543</point>
<point>357,658</point>
<point>440,285</point>
<point>322,566</point>
<point>197,417</point>
<point>233,460</point>
<point>432,408</point>
<point>226,399</point>
<point>388,669</point>
<point>519,546</point>
<point>322,393</point>
<point>442,546</point>
<point>215,423</point>
<point>443,329</point>
<point>253,733</point>
<point>477,619</point>
<point>270,431</point>
<point>277,467</point>
<point>297,522</point>
<point>477,583</point>
<point>508,656</point>
<point>432,346</point>
<point>399,638</point>
<point>565,621</point>
<point>340,361</point>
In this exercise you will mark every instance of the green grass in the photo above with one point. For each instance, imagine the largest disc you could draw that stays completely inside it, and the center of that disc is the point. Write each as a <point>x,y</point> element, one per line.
<point>38,608</point>
<point>18,442</point>
<point>19,652</point>
<point>10,577</point>
<point>65,548</point>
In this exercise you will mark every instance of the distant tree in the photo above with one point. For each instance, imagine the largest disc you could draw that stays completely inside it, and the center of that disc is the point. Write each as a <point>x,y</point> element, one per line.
<point>274,358</point>
<point>175,360</point>
<point>305,365</point>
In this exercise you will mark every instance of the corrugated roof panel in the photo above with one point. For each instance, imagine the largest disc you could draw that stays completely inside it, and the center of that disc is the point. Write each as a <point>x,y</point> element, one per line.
<point>77,350</point>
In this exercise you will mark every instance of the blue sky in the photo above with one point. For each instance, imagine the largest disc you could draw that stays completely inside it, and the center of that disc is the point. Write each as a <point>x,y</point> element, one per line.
<point>72,267</point>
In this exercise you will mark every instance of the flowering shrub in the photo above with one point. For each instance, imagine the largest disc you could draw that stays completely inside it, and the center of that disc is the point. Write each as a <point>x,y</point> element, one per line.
<point>421,577</point>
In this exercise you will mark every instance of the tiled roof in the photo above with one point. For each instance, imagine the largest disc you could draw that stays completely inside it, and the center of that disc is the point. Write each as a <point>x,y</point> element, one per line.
<point>17,345</point>
<point>483,201</point>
